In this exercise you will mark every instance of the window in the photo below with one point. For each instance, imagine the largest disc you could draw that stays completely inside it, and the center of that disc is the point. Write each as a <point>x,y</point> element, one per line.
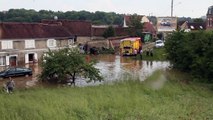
<point>7,45</point>
<point>51,43</point>
<point>208,21</point>
<point>210,11</point>
<point>2,60</point>
<point>71,41</point>
<point>29,43</point>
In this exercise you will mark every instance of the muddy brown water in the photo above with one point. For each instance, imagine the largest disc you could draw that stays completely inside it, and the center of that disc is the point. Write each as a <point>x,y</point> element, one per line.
<point>112,67</point>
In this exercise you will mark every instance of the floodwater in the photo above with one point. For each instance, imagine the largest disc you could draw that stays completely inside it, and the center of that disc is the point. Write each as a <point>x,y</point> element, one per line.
<point>112,68</point>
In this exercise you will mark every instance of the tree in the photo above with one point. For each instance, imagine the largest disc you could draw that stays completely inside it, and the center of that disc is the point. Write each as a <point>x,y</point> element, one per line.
<point>109,32</point>
<point>198,20</point>
<point>64,64</point>
<point>135,23</point>
<point>192,53</point>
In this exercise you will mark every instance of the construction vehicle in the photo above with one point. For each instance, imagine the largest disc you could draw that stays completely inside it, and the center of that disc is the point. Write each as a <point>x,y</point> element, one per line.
<point>130,46</point>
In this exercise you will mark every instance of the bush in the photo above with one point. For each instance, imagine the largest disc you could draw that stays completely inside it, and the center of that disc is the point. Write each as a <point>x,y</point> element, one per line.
<point>192,52</point>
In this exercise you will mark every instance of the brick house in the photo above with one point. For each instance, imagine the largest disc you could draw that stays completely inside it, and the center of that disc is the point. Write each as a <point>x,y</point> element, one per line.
<point>23,43</point>
<point>209,19</point>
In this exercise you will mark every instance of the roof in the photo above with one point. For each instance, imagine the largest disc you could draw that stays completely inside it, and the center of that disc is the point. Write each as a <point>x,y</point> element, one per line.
<point>180,23</point>
<point>15,30</point>
<point>131,39</point>
<point>196,26</point>
<point>75,27</point>
<point>148,27</point>
<point>119,31</point>
<point>210,10</point>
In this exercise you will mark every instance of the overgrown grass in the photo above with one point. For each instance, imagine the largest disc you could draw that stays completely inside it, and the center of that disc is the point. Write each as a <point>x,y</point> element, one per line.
<point>159,54</point>
<point>163,96</point>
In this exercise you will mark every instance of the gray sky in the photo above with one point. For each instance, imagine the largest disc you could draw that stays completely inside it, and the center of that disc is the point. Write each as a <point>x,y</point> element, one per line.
<point>182,8</point>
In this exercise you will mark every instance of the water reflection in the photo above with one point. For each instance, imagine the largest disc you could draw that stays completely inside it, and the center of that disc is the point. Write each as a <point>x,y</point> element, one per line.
<point>112,67</point>
<point>122,68</point>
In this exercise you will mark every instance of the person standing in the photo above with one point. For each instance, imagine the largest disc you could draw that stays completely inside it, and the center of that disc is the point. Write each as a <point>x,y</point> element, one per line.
<point>141,54</point>
<point>151,52</point>
<point>10,85</point>
<point>135,52</point>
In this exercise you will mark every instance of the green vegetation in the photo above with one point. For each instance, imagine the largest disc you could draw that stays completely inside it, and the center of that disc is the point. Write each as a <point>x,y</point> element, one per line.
<point>192,52</point>
<point>23,15</point>
<point>58,66</point>
<point>109,32</point>
<point>159,54</point>
<point>163,96</point>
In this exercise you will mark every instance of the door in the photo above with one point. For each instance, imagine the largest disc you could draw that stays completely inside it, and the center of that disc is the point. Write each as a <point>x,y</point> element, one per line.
<point>13,61</point>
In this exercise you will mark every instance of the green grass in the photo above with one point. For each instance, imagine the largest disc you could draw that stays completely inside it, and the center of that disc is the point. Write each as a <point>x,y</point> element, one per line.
<point>163,96</point>
<point>159,54</point>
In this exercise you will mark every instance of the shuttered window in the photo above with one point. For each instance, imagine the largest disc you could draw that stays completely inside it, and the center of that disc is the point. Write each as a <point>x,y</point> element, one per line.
<point>29,43</point>
<point>51,43</point>
<point>7,44</point>
<point>2,60</point>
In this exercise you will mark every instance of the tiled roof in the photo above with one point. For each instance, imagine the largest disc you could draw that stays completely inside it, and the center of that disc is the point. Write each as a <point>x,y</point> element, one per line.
<point>119,31</point>
<point>196,26</point>
<point>75,27</point>
<point>148,27</point>
<point>14,30</point>
<point>180,23</point>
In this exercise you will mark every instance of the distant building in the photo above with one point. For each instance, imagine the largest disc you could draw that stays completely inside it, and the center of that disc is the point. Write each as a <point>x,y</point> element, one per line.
<point>127,20</point>
<point>192,26</point>
<point>23,43</point>
<point>148,27</point>
<point>80,28</point>
<point>209,18</point>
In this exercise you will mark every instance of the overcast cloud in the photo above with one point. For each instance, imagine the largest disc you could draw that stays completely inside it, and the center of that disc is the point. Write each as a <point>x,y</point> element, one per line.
<point>186,8</point>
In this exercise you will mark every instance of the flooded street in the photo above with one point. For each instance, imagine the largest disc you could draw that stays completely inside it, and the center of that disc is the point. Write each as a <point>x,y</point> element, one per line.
<point>122,68</point>
<point>112,67</point>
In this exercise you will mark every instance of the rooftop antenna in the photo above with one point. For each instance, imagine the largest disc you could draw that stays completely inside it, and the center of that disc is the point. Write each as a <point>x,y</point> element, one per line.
<point>172,8</point>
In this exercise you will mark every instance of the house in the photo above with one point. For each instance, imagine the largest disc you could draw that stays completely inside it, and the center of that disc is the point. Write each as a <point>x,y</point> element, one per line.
<point>22,43</point>
<point>192,26</point>
<point>148,27</point>
<point>209,20</point>
<point>79,28</point>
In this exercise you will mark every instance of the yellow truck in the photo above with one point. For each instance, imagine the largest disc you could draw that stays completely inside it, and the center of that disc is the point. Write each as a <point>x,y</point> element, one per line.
<point>130,46</point>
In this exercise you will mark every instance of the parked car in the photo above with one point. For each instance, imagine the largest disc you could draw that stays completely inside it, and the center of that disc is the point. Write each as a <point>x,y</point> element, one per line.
<point>17,71</point>
<point>165,24</point>
<point>159,43</point>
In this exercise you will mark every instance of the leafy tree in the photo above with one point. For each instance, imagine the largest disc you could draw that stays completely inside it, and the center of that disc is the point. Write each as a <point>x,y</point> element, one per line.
<point>136,26</point>
<point>136,22</point>
<point>153,19</point>
<point>192,53</point>
<point>23,15</point>
<point>109,32</point>
<point>64,64</point>
<point>198,20</point>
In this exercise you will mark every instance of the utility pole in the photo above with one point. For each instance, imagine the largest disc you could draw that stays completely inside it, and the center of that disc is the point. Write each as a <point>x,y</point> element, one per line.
<point>172,9</point>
